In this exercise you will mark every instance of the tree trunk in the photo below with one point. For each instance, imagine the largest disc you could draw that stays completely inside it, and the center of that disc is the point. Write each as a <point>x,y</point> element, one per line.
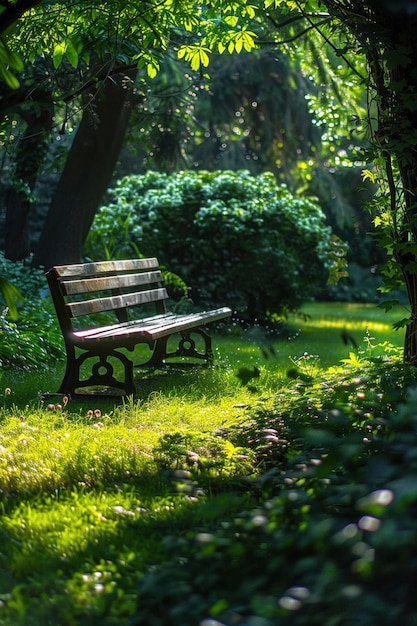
<point>405,117</point>
<point>410,339</point>
<point>408,257</point>
<point>392,62</point>
<point>28,159</point>
<point>16,231</point>
<point>86,176</point>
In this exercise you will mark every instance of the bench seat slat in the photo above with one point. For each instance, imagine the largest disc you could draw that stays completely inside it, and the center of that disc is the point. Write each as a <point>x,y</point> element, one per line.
<point>110,303</point>
<point>121,281</point>
<point>185,322</point>
<point>156,327</point>
<point>90,332</point>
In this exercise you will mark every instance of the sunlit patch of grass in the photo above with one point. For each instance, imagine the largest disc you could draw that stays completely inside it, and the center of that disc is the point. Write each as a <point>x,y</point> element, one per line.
<point>327,331</point>
<point>333,330</point>
<point>352,316</point>
<point>40,453</point>
<point>45,451</point>
<point>74,526</point>
<point>350,324</point>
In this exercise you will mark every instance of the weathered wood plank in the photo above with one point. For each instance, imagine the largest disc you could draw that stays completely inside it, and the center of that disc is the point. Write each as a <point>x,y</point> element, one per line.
<point>158,327</point>
<point>105,267</point>
<point>107,283</point>
<point>91,332</point>
<point>110,303</point>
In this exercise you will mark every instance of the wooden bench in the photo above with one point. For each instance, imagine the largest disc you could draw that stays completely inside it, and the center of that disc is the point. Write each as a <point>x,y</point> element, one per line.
<point>123,289</point>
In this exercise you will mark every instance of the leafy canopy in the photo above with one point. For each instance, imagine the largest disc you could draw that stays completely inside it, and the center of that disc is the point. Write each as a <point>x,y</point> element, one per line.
<point>126,32</point>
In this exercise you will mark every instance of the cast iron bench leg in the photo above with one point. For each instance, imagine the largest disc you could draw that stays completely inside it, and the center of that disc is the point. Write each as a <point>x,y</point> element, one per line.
<point>102,372</point>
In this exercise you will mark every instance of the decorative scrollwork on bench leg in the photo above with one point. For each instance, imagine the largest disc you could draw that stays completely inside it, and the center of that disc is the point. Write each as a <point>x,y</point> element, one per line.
<point>186,348</point>
<point>187,345</point>
<point>102,373</point>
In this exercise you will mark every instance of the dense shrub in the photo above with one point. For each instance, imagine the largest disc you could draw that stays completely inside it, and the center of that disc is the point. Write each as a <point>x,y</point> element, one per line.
<point>234,238</point>
<point>34,339</point>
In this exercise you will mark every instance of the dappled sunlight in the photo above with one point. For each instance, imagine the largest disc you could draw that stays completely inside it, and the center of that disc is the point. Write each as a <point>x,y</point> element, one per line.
<point>350,324</point>
<point>358,325</point>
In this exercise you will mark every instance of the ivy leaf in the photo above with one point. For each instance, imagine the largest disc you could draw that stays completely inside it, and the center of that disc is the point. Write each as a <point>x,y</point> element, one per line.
<point>397,58</point>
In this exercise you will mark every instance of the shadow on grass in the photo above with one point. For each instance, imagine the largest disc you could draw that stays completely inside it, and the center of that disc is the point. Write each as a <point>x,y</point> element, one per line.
<point>36,388</point>
<point>80,554</point>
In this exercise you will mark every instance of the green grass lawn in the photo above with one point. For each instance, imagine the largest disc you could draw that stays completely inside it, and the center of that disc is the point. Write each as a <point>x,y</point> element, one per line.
<point>325,331</point>
<point>332,329</point>
<point>93,494</point>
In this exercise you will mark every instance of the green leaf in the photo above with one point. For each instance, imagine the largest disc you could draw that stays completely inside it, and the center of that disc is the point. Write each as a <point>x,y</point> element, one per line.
<point>9,78</point>
<point>58,55</point>
<point>399,57</point>
<point>195,55</point>
<point>231,20</point>
<point>406,321</point>
<point>387,305</point>
<point>152,69</point>
<point>368,175</point>
<point>353,360</point>
<point>11,296</point>
<point>71,54</point>
<point>9,60</point>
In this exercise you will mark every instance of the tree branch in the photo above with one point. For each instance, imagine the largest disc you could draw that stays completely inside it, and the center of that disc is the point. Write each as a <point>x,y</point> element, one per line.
<point>330,43</point>
<point>294,37</point>
<point>98,78</point>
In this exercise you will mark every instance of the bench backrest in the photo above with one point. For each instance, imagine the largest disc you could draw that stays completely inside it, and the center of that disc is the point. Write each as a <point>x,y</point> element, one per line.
<point>89,288</point>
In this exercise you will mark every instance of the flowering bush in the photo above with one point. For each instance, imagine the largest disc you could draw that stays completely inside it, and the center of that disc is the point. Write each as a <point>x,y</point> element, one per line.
<point>235,238</point>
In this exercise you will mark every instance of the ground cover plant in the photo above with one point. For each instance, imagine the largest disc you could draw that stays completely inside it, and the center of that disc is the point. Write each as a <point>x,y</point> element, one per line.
<point>283,497</point>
